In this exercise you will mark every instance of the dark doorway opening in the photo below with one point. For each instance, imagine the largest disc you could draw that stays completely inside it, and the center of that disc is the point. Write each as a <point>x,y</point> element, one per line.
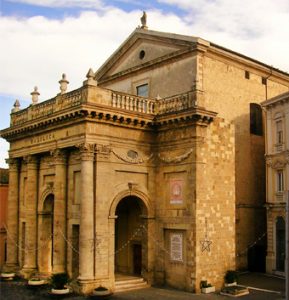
<point>280,244</point>
<point>130,237</point>
<point>137,259</point>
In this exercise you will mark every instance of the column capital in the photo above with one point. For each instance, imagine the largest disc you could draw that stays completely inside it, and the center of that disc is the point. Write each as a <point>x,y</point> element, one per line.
<point>86,151</point>
<point>30,160</point>
<point>13,164</point>
<point>59,156</point>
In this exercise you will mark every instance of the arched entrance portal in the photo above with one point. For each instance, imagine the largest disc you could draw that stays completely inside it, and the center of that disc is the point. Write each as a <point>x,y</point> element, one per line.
<point>280,244</point>
<point>130,236</point>
<point>46,235</point>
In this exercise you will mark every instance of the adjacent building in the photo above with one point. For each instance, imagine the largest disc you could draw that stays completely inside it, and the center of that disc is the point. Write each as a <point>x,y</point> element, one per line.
<point>154,167</point>
<point>3,214</point>
<point>277,170</point>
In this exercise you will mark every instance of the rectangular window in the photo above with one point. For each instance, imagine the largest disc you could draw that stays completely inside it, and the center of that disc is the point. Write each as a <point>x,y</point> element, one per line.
<point>280,181</point>
<point>142,90</point>
<point>24,190</point>
<point>264,80</point>
<point>247,74</point>
<point>256,122</point>
<point>76,187</point>
<point>279,132</point>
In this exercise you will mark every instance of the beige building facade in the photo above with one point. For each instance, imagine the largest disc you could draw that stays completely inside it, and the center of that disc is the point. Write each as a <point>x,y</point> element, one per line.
<point>154,167</point>
<point>4,186</point>
<point>277,169</point>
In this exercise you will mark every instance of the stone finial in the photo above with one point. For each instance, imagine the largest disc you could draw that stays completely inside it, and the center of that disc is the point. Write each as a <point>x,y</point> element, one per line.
<point>35,95</point>
<point>63,84</point>
<point>158,97</point>
<point>90,78</point>
<point>143,20</point>
<point>16,106</point>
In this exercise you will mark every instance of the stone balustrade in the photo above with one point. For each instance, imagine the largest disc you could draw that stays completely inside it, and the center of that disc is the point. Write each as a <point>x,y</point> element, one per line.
<point>177,103</point>
<point>133,103</point>
<point>114,99</point>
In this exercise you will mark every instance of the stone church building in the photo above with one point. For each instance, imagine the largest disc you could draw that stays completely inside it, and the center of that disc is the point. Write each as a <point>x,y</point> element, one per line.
<point>154,167</point>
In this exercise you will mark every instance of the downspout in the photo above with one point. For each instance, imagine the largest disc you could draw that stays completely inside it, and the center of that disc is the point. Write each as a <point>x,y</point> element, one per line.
<point>266,85</point>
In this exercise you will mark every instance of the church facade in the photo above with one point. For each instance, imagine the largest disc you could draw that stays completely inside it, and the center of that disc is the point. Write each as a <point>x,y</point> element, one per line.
<point>277,169</point>
<point>154,167</point>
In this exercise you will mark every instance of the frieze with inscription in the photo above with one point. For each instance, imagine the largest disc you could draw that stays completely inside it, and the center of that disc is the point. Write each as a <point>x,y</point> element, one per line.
<point>42,138</point>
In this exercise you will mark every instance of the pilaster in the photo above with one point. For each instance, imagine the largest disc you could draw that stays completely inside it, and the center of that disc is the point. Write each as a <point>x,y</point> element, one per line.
<point>59,220</point>
<point>12,262</point>
<point>30,216</point>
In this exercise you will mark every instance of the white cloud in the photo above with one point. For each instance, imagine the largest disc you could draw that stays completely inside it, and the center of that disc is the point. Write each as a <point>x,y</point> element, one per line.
<point>96,4</point>
<point>4,146</point>
<point>258,28</point>
<point>37,50</point>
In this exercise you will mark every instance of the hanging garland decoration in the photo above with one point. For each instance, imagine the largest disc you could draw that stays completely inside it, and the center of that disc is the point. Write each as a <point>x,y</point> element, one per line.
<point>206,243</point>
<point>176,159</point>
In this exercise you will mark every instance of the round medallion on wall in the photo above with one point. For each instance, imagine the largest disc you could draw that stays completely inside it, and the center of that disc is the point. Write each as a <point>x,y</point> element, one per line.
<point>132,154</point>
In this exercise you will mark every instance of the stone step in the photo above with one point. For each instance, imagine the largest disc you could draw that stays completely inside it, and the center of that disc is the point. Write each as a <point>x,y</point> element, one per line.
<point>123,285</point>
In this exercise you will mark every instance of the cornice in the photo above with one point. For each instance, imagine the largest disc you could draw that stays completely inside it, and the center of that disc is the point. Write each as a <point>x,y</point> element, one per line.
<point>110,115</point>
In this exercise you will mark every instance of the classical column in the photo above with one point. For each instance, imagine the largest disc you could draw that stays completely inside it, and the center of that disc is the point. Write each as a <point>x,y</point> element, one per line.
<point>86,234</point>
<point>31,215</point>
<point>13,214</point>
<point>59,213</point>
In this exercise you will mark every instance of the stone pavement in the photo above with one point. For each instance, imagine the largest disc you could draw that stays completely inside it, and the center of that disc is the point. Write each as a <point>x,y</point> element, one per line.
<point>265,288</point>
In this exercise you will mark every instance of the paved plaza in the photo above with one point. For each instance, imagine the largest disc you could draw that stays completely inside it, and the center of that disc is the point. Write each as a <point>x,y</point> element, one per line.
<point>262,287</point>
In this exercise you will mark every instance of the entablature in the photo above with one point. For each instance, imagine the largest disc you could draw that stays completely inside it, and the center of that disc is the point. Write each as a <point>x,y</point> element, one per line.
<point>91,103</point>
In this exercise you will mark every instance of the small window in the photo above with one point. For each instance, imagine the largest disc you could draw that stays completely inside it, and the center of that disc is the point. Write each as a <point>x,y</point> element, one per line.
<point>279,132</point>
<point>264,80</point>
<point>142,54</point>
<point>142,90</point>
<point>280,181</point>
<point>256,124</point>
<point>247,74</point>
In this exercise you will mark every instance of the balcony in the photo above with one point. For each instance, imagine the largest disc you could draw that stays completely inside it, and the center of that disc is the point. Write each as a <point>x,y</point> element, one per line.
<point>279,147</point>
<point>95,96</point>
<point>279,197</point>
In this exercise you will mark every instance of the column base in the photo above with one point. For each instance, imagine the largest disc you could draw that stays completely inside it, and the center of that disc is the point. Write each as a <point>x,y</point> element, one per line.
<point>85,286</point>
<point>270,264</point>
<point>10,267</point>
<point>27,272</point>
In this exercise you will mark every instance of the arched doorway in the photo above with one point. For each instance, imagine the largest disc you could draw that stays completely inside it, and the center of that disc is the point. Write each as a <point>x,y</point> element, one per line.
<point>280,244</point>
<point>130,236</point>
<point>46,236</point>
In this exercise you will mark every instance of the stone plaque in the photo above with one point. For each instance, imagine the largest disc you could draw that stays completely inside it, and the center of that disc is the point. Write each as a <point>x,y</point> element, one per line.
<point>176,191</point>
<point>176,247</point>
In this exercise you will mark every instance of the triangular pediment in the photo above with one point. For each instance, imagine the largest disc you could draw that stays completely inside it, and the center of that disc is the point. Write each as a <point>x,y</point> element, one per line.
<point>143,47</point>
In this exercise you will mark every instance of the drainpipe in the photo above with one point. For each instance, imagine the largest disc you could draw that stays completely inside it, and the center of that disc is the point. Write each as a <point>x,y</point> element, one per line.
<point>266,86</point>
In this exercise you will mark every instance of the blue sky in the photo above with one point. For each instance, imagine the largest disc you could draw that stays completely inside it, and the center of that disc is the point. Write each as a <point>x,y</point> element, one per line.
<point>41,39</point>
